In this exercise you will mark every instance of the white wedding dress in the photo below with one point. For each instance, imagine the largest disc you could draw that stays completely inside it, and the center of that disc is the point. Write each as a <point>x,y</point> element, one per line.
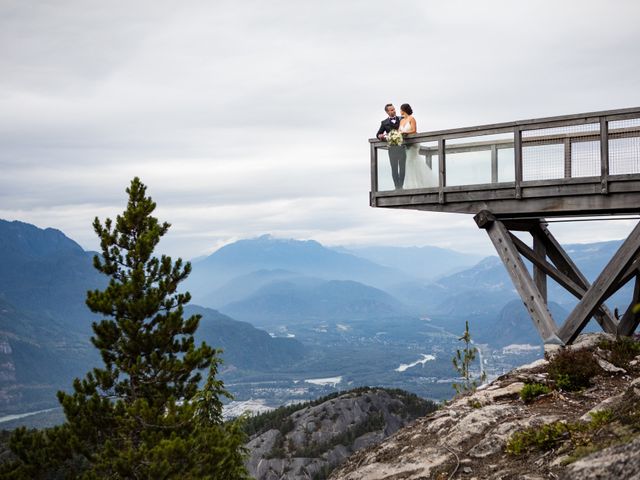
<point>417,173</point>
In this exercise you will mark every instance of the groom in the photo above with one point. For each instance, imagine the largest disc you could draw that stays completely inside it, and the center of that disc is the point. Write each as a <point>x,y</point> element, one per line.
<point>397,165</point>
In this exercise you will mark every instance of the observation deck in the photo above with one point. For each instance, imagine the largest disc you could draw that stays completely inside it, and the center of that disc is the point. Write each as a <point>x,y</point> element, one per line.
<point>582,164</point>
<point>512,176</point>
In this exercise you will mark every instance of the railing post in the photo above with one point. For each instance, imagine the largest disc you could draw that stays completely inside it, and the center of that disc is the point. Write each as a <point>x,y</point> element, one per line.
<point>442,182</point>
<point>517,146</point>
<point>567,158</point>
<point>374,174</point>
<point>604,155</point>
<point>494,163</point>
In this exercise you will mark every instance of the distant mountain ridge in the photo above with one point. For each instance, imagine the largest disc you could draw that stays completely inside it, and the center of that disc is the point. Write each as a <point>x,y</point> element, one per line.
<point>314,299</point>
<point>243,345</point>
<point>46,273</point>
<point>304,257</point>
<point>426,262</point>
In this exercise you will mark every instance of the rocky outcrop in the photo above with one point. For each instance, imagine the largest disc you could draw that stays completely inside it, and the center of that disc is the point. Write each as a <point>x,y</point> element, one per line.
<point>311,441</point>
<point>468,438</point>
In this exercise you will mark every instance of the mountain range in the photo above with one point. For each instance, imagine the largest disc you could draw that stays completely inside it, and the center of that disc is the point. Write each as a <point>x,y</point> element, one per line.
<point>305,258</point>
<point>329,312</point>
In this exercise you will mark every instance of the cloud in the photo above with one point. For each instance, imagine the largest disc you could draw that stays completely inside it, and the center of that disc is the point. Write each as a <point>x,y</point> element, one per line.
<point>251,117</point>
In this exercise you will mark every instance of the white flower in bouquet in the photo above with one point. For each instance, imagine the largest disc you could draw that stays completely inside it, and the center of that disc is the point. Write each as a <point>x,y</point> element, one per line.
<point>394,137</point>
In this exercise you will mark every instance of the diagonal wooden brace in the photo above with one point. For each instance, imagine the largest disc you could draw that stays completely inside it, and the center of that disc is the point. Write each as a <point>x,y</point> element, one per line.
<point>630,319</point>
<point>572,285</point>
<point>603,287</point>
<point>565,265</point>
<point>529,293</point>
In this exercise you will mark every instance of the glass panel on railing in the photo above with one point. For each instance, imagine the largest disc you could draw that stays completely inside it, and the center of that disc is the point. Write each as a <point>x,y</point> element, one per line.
<point>561,152</point>
<point>385,179</point>
<point>506,164</point>
<point>408,167</point>
<point>468,168</point>
<point>479,160</point>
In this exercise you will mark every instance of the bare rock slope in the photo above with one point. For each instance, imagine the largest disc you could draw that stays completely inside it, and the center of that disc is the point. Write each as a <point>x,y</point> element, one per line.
<point>561,432</point>
<point>307,442</point>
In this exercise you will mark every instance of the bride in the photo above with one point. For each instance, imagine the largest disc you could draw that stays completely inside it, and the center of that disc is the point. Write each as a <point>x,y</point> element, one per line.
<point>416,174</point>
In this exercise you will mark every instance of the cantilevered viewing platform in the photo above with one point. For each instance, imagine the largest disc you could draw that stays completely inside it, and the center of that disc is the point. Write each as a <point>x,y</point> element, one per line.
<point>511,177</point>
<point>582,164</point>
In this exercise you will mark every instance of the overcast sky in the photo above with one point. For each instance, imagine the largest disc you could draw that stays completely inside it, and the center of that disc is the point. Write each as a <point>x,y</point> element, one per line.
<point>252,117</point>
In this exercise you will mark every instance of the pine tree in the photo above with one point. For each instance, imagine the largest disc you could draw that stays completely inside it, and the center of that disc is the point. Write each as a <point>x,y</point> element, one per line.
<point>142,415</point>
<point>462,363</point>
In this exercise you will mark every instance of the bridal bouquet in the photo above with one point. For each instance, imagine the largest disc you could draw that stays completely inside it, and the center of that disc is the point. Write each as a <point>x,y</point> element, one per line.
<point>394,137</point>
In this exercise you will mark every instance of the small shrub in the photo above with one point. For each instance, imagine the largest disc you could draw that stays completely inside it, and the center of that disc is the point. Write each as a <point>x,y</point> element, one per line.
<point>623,350</point>
<point>462,363</point>
<point>572,370</point>
<point>474,403</point>
<point>600,418</point>
<point>531,391</point>
<point>542,438</point>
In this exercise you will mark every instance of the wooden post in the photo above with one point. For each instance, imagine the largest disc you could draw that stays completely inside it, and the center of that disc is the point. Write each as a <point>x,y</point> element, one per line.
<point>539,277</point>
<point>604,155</point>
<point>604,286</point>
<point>517,154</point>
<point>494,163</point>
<point>374,173</point>
<point>529,293</point>
<point>567,158</point>
<point>442,170</point>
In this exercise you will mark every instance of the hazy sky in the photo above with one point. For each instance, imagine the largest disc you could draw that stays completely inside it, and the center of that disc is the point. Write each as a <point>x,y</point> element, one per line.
<point>252,117</point>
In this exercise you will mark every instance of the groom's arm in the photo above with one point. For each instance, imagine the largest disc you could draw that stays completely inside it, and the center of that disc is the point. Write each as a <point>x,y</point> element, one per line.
<point>380,130</point>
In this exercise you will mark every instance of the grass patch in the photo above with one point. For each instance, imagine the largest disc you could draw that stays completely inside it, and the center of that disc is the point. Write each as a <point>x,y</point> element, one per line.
<point>543,438</point>
<point>531,391</point>
<point>623,350</point>
<point>606,428</point>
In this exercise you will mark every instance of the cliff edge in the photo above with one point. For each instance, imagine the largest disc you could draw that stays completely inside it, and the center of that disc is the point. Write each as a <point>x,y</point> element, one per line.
<point>573,415</point>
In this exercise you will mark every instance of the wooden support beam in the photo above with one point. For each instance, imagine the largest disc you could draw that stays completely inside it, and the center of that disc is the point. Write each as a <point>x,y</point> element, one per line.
<point>630,319</point>
<point>529,293</point>
<point>539,275</point>
<point>564,264</point>
<point>603,315</point>
<point>539,262</point>
<point>521,225</point>
<point>594,296</point>
<point>628,275</point>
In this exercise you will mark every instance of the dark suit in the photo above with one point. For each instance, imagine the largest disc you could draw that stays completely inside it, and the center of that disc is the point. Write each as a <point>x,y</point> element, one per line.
<point>397,165</point>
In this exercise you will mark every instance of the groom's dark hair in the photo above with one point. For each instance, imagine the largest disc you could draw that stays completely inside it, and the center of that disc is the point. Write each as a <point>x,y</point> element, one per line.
<point>387,106</point>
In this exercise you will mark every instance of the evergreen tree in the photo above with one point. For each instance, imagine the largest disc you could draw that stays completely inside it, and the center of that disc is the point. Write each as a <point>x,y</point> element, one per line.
<point>142,415</point>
